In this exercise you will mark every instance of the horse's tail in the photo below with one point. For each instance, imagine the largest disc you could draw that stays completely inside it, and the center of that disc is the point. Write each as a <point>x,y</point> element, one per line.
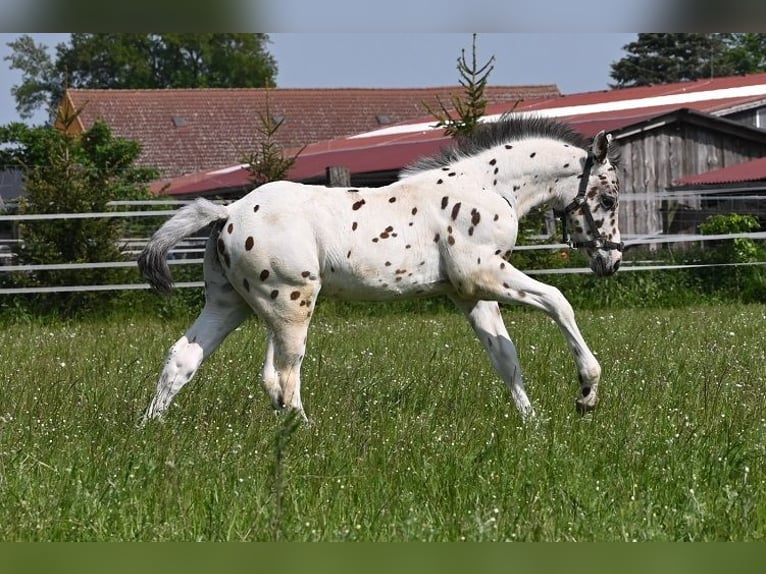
<point>153,258</point>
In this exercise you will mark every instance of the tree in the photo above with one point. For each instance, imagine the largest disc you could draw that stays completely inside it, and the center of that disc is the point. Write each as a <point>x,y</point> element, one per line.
<point>110,60</point>
<point>267,162</point>
<point>667,58</point>
<point>746,52</point>
<point>71,174</point>
<point>471,106</point>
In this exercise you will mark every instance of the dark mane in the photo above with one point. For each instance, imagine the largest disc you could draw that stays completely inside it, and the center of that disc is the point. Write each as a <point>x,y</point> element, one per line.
<point>510,127</point>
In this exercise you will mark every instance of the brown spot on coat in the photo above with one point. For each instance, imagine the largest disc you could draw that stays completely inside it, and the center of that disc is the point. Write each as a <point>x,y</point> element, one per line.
<point>354,226</point>
<point>249,242</point>
<point>230,228</point>
<point>445,201</point>
<point>475,217</point>
<point>392,200</point>
<point>305,274</point>
<point>274,294</point>
<point>451,240</point>
<point>456,210</point>
<point>436,238</point>
<point>256,208</point>
<point>294,295</point>
<point>414,210</point>
<point>264,274</point>
<point>358,204</point>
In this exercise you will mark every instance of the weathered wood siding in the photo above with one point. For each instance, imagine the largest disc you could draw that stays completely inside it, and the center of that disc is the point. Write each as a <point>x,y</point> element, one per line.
<point>654,159</point>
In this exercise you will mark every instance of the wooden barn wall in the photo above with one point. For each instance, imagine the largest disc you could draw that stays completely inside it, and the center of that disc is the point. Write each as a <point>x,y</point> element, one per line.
<point>653,160</point>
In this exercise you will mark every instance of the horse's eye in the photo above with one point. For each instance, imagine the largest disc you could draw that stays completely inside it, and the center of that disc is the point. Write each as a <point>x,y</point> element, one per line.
<point>608,202</point>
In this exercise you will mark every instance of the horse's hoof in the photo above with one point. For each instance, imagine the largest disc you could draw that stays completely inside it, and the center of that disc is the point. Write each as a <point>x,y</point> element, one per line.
<point>585,405</point>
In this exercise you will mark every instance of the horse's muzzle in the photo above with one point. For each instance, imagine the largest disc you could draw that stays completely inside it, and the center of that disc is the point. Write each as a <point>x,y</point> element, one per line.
<point>605,265</point>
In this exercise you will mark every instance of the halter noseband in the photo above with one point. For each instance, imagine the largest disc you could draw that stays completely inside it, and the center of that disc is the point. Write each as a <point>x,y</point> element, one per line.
<point>599,240</point>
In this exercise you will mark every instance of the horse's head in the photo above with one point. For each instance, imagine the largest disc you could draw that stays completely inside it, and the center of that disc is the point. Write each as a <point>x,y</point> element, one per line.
<point>592,216</point>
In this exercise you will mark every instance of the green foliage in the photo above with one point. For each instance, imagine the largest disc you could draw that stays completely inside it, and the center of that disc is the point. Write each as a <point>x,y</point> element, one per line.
<point>748,281</point>
<point>71,174</point>
<point>676,57</point>
<point>130,61</point>
<point>739,249</point>
<point>729,223</point>
<point>746,53</point>
<point>267,162</point>
<point>469,107</point>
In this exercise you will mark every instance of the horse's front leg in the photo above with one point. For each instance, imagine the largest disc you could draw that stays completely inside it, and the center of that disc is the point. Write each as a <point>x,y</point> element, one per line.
<point>512,286</point>
<point>487,322</point>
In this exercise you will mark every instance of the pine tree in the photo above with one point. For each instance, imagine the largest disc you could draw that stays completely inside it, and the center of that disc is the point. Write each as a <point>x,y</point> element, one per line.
<point>471,105</point>
<point>667,58</point>
<point>267,162</point>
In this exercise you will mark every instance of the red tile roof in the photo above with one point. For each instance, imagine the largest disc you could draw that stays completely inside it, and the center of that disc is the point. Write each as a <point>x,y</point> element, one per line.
<point>748,171</point>
<point>190,130</point>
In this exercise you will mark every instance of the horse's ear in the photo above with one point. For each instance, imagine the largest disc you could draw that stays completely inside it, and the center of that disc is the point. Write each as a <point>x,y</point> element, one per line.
<point>600,146</point>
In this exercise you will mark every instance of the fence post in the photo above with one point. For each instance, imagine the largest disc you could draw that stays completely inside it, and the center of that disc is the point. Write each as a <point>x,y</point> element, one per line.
<point>338,176</point>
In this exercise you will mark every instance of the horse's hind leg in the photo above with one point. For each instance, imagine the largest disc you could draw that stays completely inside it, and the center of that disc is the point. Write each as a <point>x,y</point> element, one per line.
<point>223,312</point>
<point>270,376</point>
<point>284,357</point>
<point>487,322</point>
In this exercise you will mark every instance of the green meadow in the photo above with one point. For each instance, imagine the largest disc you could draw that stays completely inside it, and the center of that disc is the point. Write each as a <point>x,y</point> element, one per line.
<point>412,436</point>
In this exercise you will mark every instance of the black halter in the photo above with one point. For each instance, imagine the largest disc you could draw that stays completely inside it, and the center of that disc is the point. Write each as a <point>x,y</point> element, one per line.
<point>599,240</point>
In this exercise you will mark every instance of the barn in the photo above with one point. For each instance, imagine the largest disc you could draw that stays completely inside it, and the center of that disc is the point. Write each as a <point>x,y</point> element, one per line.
<point>667,133</point>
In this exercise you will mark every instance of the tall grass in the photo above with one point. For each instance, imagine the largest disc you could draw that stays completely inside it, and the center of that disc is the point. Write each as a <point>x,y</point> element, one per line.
<point>412,435</point>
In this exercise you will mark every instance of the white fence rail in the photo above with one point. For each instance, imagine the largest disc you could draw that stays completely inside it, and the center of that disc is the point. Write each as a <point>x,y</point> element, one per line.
<point>183,253</point>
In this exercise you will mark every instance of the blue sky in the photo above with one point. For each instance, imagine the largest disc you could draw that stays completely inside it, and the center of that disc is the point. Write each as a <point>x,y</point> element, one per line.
<point>575,62</point>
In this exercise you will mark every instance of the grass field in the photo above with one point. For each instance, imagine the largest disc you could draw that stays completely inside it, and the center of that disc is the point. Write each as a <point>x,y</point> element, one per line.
<point>413,436</point>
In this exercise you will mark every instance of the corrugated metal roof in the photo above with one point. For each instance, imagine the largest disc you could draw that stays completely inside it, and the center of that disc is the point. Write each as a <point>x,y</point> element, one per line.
<point>747,171</point>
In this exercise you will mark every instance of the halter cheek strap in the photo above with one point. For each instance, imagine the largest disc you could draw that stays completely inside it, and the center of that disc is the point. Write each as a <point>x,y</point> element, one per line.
<point>599,240</point>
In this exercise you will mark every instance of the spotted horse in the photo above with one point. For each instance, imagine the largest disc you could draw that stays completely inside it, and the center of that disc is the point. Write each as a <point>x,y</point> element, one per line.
<point>447,226</point>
